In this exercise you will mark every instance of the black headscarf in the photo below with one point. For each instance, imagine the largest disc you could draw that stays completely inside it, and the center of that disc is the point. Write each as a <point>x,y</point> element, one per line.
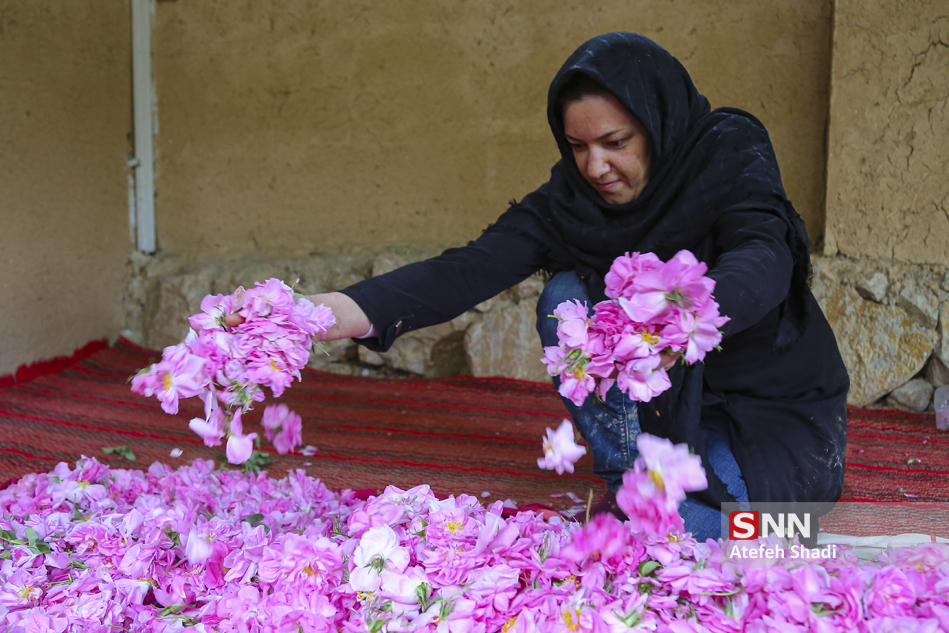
<point>703,164</point>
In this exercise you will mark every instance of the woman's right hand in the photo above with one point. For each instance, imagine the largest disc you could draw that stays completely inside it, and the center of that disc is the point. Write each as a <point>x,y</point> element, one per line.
<point>666,360</point>
<point>351,321</point>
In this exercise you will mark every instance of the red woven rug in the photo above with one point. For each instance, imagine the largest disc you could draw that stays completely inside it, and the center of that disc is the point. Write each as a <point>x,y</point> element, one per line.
<point>900,459</point>
<point>459,435</point>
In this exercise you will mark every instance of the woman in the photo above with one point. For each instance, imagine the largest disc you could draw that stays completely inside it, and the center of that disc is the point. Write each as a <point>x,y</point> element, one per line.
<point>647,167</point>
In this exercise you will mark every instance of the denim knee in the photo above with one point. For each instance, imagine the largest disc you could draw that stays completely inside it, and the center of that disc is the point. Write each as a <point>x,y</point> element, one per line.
<point>611,426</point>
<point>564,286</point>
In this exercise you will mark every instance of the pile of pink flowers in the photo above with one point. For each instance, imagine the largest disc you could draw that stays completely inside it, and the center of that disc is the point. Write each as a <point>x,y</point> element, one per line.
<point>653,308</point>
<point>228,367</point>
<point>93,549</point>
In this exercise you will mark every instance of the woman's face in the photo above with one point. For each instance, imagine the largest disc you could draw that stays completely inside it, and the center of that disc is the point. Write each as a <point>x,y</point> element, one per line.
<point>609,145</point>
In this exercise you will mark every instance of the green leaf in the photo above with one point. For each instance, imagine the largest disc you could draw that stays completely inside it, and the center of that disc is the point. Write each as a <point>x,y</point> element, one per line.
<point>424,594</point>
<point>173,536</point>
<point>648,566</point>
<point>378,563</point>
<point>10,537</point>
<point>822,609</point>
<point>338,528</point>
<point>257,519</point>
<point>631,620</point>
<point>78,564</point>
<point>720,593</point>
<point>173,609</point>
<point>445,610</point>
<point>139,373</point>
<point>257,462</point>
<point>30,536</point>
<point>124,452</point>
<point>544,550</point>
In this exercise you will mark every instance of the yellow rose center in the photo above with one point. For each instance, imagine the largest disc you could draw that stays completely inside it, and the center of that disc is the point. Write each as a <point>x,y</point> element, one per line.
<point>657,479</point>
<point>570,580</point>
<point>568,618</point>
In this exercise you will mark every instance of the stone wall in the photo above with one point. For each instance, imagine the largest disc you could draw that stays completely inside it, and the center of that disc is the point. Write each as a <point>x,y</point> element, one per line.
<point>496,338</point>
<point>889,320</point>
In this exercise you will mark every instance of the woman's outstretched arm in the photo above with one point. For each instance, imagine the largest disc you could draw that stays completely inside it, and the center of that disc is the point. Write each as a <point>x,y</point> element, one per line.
<point>351,321</point>
<point>439,289</point>
<point>429,292</point>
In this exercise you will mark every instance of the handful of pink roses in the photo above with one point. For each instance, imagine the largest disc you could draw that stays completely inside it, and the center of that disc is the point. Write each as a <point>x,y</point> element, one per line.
<point>228,367</point>
<point>653,307</point>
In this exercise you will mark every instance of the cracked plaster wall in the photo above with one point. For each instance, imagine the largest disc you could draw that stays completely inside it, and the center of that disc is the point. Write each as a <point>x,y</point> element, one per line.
<point>64,122</point>
<point>299,125</point>
<point>887,185</point>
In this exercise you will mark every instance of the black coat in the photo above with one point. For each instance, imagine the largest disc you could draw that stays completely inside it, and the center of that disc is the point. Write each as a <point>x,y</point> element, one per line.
<point>788,410</point>
<point>714,188</point>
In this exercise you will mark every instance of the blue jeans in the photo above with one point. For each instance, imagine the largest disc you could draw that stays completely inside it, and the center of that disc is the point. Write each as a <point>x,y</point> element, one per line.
<point>611,426</point>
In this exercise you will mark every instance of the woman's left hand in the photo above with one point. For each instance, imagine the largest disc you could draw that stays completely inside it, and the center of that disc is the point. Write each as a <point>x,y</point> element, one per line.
<point>668,359</point>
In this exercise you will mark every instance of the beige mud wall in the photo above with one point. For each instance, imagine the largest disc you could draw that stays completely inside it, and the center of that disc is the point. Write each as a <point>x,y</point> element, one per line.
<point>888,169</point>
<point>301,126</point>
<point>64,121</point>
